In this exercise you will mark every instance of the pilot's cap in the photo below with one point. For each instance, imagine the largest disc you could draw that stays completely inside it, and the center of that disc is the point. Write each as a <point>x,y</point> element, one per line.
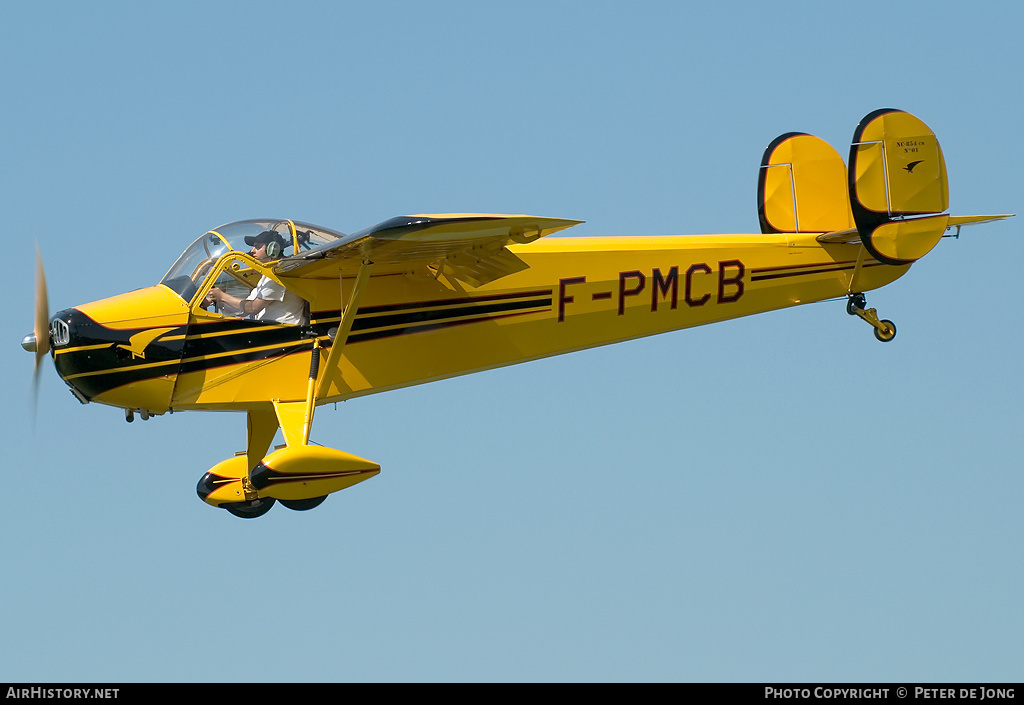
<point>265,237</point>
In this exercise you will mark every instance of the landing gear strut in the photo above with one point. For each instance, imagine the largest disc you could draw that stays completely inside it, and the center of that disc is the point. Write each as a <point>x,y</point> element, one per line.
<point>885,330</point>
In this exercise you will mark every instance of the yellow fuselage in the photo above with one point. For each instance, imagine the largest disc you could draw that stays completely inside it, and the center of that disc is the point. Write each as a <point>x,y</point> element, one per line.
<point>152,351</point>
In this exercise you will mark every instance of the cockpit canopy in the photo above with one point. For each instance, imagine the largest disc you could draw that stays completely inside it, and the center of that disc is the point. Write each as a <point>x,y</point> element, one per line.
<point>195,263</point>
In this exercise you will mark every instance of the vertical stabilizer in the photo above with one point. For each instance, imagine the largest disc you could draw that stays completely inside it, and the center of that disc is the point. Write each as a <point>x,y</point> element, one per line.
<point>897,170</point>
<point>802,187</point>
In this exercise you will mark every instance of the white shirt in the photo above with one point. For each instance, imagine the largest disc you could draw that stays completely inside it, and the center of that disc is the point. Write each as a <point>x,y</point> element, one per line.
<point>283,306</point>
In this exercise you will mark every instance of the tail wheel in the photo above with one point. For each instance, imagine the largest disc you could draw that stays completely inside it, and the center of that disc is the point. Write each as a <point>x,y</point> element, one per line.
<point>887,332</point>
<point>249,510</point>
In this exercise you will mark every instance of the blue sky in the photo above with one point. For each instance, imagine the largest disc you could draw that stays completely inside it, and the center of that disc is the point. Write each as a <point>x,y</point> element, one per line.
<point>779,498</point>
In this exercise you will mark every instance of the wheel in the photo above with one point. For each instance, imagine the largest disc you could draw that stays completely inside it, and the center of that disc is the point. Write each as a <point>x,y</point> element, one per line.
<point>302,505</point>
<point>854,302</point>
<point>251,509</point>
<point>888,334</point>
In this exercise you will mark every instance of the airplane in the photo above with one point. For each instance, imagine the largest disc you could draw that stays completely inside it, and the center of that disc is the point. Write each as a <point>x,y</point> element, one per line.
<point>421,298</point>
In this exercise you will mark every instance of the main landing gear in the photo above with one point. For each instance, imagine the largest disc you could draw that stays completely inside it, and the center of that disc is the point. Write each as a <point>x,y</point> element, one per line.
<point>258,507</point>
<point>250,509</point>
<point>884,330</point>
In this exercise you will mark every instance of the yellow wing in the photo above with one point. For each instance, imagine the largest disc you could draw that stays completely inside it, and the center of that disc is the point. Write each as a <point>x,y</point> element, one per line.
<point>470,246</point>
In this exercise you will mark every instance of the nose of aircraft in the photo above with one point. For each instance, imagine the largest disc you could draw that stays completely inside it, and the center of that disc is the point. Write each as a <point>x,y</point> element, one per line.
<point>71,331</point>
<point>44,340</point>
<point>123,351</point>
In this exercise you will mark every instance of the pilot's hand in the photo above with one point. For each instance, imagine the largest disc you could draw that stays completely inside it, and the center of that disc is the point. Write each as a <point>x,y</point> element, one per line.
<point>214,296</point>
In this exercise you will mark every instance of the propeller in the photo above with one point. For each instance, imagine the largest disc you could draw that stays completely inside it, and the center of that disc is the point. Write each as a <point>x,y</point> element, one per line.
<point>39,341</point>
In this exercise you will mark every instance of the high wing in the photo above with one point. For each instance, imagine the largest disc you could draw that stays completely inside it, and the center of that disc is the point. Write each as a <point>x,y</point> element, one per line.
<point>470,246</point>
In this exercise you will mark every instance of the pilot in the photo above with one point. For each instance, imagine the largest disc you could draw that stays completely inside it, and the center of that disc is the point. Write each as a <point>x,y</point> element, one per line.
<point>269,301</point>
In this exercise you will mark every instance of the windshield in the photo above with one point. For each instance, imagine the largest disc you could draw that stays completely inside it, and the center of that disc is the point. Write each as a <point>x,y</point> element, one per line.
<point>188,272</point>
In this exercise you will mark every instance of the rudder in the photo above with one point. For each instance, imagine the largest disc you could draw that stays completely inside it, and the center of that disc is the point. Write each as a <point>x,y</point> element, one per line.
<point>802,187</point>
<point>896,170</point>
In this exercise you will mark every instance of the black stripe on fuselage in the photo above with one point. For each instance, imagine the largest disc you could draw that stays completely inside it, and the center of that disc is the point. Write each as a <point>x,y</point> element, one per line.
<point>806,270</point>
<point>390,333</point>
<point>427,315</point>
<point>366,321</point>
<point>232,341</point>
<point>384,308</point>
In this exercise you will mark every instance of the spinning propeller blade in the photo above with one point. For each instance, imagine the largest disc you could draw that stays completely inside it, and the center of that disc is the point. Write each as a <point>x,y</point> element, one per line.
<point>41,329</point>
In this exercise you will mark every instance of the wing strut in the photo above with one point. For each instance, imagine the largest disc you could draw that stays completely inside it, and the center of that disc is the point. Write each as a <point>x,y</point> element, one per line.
<point>314,369</point>
<point>295,418</point>
<point>344,328</point>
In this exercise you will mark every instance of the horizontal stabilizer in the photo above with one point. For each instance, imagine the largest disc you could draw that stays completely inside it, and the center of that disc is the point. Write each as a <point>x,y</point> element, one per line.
<point>908,240</point>
<point>954,221</point>
<point>844,237</point>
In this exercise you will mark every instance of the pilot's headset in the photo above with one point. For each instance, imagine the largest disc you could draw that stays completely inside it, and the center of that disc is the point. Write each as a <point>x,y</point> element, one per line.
<point>274,249</point>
